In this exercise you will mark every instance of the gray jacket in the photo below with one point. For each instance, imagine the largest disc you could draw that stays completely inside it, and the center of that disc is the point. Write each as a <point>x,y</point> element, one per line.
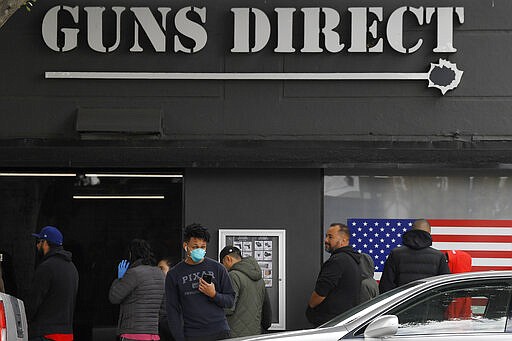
<point>369,286</point>
<point>140,293</point>
<point>245,317</point>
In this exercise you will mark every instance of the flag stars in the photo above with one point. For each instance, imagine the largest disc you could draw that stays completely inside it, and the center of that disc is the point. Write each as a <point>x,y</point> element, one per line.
<point>404,229</point>
<point>371,240</point>
<point>359,229</point>
<point>382,229</point>
<point>382,240</point>
<point>365,246</point>
<point>387,223</point>
<point>387,234</point>
<point>376,246</point>
<point>365,224</point>
<point>398,224</point>
<point>354,246</point>
<point>371,229</point>
<point>371,251</point>
<point>353,234</point>
<point>410,224</point>
<point>393,229</point>
<point>353,223</point>
<point>365,234</point>
<point>376,224</point>
<point>398,235</point>
<point>393,240</point>
<point>382,262</point>
<point>359,240</point>
<point>376,234</point>
<point>387,246</point>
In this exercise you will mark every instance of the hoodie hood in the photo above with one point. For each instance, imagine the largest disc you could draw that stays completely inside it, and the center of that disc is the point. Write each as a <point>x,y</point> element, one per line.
<point>367,266</point>
<point>417,239</point>
<point>249,267</point>
<point>349,251</point>
<point>58,252</point>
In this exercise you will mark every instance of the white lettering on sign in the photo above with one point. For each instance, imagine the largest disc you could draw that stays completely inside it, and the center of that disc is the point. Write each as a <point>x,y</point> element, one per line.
<point>145,21</point>
<point>252,29</point>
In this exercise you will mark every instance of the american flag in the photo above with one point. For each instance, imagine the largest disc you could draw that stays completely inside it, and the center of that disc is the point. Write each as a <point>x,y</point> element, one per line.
<point>489,242</point>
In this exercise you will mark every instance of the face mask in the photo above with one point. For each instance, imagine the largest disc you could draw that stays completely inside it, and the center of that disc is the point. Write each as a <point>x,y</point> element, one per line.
<point>197,255</point>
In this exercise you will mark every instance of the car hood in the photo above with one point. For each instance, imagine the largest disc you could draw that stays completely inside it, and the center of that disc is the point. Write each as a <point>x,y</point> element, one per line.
<point>318,334</point>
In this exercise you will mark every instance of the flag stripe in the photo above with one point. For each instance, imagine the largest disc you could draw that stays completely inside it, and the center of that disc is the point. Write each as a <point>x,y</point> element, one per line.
<point>487,268</point>
<point>474,231</point>
<point>490,254</point>
<point>492,262</point>
<point>466,238</point>
<point>471,223</point>
<point>473,246</point>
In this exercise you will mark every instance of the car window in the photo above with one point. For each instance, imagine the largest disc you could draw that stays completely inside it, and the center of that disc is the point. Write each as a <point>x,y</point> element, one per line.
<point>475,306</point>
<point>353,311</point>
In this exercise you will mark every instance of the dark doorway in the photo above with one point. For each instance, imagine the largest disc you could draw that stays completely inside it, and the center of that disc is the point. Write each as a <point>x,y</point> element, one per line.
<point>98,216</point>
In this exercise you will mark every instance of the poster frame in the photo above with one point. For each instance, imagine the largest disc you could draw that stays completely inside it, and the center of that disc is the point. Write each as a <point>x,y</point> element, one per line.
<point>281,235</point>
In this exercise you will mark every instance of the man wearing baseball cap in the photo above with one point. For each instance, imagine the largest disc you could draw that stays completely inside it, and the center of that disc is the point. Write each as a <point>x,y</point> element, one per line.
<point>249,314</point>
<point>52,296</point>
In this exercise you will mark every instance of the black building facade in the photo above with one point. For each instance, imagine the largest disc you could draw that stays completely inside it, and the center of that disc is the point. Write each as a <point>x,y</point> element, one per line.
<point>102,88</point>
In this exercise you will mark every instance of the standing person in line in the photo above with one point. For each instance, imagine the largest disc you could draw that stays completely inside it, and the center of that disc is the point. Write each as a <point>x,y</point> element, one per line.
<point>415,259</point>
<point>245,317</point>
<point>52,297</point>
<point>2,288</point>
<point>165,265</point>
<point>198,289</point>
<point>369,286</point>
<point>139,289</point>
<point>338,285</point>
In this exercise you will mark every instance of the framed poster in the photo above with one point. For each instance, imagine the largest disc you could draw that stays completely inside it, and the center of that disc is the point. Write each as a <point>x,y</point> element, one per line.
<point>268,247</point>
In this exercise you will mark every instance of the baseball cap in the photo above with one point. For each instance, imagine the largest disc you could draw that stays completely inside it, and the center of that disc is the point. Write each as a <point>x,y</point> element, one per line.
<point>228,250</point>
<point>50,234</point>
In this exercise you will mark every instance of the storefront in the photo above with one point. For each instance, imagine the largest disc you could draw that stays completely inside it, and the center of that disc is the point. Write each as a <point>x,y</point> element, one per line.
<point>280,116</point>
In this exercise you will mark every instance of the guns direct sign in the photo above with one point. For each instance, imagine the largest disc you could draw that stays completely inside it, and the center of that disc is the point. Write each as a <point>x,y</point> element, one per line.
<point>184,30</point>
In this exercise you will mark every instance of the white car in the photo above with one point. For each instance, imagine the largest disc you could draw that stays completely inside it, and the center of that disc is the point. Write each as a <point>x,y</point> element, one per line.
<point>474,306</point>
<point>13,321</point>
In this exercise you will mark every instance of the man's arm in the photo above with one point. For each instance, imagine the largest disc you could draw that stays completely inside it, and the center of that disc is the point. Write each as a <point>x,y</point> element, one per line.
<point>173,308</point>
<point>225,297</point>
<point>39,289</point>
<point>235,281</point>
<point>443,267</point>
<point>315,299</point>
<point>122,287</point>
<point>327,280</point>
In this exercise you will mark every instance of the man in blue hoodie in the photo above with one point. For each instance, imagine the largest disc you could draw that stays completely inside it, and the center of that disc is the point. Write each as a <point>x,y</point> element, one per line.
<point>197,290</point>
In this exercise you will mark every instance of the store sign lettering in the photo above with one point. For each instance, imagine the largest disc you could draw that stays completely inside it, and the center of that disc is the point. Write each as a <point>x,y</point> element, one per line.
<point>252,29</point>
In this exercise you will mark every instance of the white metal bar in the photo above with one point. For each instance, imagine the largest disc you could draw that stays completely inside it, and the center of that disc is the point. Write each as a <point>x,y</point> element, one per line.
<point>118,197</point>
<point>234,75</point>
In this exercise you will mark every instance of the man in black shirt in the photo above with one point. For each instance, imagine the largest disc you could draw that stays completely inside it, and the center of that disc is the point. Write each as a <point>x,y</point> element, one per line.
<point>338,285</point>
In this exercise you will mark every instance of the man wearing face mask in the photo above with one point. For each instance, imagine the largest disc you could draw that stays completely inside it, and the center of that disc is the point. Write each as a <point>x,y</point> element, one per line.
<point>52,296</point>
<point>338,285</point>
<point>197,291</point>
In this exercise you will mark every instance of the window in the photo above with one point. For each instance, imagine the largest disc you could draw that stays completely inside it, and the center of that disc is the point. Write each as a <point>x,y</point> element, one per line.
<point>460,308</point>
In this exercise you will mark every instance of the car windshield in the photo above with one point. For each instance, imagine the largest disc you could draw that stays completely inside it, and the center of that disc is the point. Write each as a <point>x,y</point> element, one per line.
<point>351,312</point>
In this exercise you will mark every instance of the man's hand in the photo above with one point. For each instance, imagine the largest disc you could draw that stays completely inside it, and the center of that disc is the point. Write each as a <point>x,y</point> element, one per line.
<point>207,288</point>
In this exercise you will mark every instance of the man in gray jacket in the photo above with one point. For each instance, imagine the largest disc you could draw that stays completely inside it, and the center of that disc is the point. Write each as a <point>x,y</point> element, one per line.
<point>245,317</point>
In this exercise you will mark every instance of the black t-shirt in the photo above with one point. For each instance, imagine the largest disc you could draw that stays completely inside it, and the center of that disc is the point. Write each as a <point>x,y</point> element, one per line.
<point>339,282</point>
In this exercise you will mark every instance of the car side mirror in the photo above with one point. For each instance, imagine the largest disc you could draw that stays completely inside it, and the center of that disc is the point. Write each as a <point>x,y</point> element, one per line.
<point>382,326</point>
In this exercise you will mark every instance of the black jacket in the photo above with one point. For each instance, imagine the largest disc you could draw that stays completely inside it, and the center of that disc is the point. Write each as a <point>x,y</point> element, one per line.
<point>339,282</point>
<point>416,259</point>
<point>52,297</point>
